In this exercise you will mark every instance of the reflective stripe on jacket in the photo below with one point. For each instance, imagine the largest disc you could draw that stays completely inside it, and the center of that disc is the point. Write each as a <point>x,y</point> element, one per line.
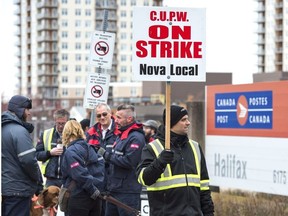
<point>47,139</point>
<point>168,181</point>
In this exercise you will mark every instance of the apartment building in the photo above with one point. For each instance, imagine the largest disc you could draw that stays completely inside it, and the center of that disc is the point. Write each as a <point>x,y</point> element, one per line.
<point>272,41</point>
<point>54,48</point>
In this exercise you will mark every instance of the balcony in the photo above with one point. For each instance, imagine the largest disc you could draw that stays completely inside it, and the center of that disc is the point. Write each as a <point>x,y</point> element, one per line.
<point>51,4</point>
<point>47,38</point>
<point>47,26</point>
<point>47,15</point>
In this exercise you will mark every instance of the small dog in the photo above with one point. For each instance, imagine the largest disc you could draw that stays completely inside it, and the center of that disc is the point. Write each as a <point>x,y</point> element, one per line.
<point>46,202</point>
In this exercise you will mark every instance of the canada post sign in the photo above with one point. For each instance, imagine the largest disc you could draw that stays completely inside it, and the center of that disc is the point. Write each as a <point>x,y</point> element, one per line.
<point>244,110</point>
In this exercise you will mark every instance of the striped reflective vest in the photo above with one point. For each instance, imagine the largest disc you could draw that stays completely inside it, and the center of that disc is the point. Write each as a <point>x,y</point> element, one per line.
<point>168,181</point>
<point>47,140</point>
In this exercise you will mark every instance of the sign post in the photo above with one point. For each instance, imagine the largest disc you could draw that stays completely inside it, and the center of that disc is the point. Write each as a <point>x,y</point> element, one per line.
<point>169,45</point>
<point>101,56</point>
<point>168,114</point>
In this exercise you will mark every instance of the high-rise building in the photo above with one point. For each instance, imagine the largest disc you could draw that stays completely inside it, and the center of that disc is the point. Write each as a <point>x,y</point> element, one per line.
<point>54,48</point>
<point>272,41</point>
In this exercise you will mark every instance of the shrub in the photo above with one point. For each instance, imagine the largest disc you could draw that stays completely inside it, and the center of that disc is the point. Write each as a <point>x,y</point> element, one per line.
<point>240,203</point>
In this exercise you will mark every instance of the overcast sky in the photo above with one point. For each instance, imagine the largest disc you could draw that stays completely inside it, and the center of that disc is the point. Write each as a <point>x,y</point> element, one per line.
<point>230,39</point>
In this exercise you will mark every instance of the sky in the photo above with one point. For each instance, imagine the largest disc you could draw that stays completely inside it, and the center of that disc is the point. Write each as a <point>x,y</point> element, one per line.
<point>230,39</point>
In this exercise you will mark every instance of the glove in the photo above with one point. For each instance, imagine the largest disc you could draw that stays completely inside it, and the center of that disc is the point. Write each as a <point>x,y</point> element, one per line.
<point>165,157</point>
<point>95,194</point>
<point>101,151</point>
<point>105,193</point>
<point>38,189</point>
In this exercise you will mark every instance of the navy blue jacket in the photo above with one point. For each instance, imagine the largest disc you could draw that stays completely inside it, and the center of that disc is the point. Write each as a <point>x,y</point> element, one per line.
<point>20,170</point>
<point>125,156</point>
<point>82,164</point>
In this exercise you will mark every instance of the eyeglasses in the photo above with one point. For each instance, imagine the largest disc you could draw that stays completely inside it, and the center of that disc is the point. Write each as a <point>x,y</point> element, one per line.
<point>104,114</point>
<point>60,123</point>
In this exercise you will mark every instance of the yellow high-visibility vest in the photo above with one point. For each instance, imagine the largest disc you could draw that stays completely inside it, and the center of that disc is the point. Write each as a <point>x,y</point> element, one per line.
<point>47,139</point>
<point>167,180</point>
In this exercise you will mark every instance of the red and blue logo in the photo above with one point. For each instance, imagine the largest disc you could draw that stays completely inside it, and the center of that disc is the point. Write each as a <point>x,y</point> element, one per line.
<point>244,110</point>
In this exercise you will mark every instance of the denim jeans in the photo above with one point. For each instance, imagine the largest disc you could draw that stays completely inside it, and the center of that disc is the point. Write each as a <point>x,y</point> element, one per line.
<point>132,200</point>
<point>15,206</point>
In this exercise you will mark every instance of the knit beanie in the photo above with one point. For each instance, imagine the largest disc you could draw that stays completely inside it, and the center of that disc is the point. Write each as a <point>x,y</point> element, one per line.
<point>177,112</point>
<point>18,104</point>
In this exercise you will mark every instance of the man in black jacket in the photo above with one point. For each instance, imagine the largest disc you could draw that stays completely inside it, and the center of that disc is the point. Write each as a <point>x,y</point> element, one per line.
<point>177,179</point>
<point>21,176</point>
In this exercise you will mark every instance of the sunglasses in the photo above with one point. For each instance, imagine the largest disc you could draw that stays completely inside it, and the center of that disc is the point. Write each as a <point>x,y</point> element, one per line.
<point>104,114</point>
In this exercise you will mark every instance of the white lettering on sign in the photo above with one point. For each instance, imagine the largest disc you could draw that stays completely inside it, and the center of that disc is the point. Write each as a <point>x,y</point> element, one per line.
<point>229,166</point>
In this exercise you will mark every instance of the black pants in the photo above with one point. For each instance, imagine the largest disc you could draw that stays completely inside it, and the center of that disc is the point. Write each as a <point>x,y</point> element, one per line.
<point>82,205</point>
<point>15,206</point>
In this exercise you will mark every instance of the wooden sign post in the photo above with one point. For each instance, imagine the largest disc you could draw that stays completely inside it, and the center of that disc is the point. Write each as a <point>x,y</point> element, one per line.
<point>168,114</point>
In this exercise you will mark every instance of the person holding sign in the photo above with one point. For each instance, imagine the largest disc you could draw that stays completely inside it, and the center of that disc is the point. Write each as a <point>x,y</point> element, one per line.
<point>177,179</point>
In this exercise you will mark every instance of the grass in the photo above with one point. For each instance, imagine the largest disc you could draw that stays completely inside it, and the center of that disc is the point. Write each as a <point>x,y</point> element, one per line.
<point>239,203</point>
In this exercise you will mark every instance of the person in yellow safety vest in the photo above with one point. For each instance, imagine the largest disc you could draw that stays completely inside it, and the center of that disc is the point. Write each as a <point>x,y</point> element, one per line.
<point>177,179</point>
<point>49,149</point>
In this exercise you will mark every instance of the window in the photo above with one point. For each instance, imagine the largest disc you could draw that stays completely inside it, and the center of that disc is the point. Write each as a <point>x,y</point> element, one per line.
<point>123,24</point>
<point>77,1</point>
<point>87,23</point>
<point>64,1</point>
<point>64,103</point>
<point>64,68</point>
<point>123,58</point>
<point>123,35</point>
<point>133,2</point>
<point>133,91</point>
<point>87,46</point>
<point>77,23</point>
<point>64,79</point>
<point>87,34</point>
<point>64,11</point>
<point>123,46</point>
<point>87,1</point>
<point>77,46</point>
<point>87,12</point>
<point>123,69</point>
<point>123,2</point>
<point>64,23</point>
<point>64,56</point>
<point>78,12</point>
<point>78,79</point>
<point>77,34</point>
<point>78,102</point>
<point>78,68</point>
<point>64,34</point>
<point>64,92</point>
<point>78,57</point>
<point>123,13</point>
<point>78,92</point>
<point>64,45</point>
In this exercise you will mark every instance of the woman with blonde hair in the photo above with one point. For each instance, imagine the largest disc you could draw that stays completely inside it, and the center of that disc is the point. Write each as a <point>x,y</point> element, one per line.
<point>83,169</point>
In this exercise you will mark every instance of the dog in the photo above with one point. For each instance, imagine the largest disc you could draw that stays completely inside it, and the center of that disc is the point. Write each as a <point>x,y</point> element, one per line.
<point>46,202</point>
